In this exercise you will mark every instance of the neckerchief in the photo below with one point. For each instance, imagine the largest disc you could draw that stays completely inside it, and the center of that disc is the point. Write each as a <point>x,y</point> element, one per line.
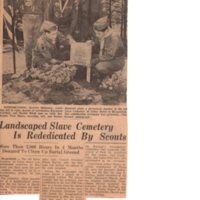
<point>102,42</point>
<point>62,8</point>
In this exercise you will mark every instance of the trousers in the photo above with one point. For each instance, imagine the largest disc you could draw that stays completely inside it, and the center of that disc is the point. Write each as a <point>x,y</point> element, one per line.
<point>31,31</point>
<point>108,67</point>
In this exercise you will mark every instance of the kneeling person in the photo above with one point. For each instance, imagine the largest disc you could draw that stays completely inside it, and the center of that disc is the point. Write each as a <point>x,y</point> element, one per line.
<point>111,57</point>
<point>52,47</point>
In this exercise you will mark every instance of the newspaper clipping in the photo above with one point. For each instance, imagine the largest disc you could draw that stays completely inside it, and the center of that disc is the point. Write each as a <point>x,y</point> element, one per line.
<point>63,110</point>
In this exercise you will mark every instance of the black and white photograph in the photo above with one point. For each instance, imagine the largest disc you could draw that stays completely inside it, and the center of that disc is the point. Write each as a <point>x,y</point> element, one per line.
<point>64,52</point>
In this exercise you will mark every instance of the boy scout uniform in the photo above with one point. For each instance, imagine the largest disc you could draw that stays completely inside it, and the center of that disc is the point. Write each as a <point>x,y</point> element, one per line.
<point>112,54</point>
<point>45,50</point>
<point>33,12</point>
<point>64,13</point>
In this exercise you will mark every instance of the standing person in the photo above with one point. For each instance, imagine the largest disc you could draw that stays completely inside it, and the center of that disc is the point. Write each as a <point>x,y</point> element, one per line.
<point>64,13</point>
<point>94,13</point>
<point>83,28</point>
<point>33,12</point>
<point>89,12</point>
<point>111,56</point>
<point>94,10</point>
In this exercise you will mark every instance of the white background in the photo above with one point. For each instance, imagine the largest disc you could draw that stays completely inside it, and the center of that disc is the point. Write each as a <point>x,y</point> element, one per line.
<point>164,100</point>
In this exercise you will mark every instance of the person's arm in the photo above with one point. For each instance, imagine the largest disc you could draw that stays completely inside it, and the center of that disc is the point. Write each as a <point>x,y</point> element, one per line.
<point>41,54</point>
<point>111,49</point>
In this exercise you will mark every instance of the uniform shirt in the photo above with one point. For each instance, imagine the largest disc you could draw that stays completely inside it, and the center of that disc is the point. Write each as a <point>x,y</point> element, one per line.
<point>64,15</point>
<point>45,50</point>
<point>111,46</point>
<point>35,7</point>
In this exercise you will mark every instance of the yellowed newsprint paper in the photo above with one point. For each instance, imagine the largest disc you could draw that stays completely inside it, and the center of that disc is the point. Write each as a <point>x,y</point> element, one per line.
<point>63,110</point>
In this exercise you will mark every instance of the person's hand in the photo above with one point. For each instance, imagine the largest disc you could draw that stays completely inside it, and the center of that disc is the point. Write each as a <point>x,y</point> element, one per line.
<point>28,3</point>
<point>95,61</point>
<point>46,65</point>
<point>19,26</point>
<point>70,38</point>
<point>54,61</point>
<point>68,62</point>
<point>89,42</point>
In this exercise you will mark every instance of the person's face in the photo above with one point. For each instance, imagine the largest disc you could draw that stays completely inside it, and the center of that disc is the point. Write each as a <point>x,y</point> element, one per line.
<point>52,36</point>
<point>28,2</point>
<point>99,34</point>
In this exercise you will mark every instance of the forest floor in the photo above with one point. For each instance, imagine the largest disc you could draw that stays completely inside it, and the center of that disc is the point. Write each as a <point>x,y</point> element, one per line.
<point>57,97</point>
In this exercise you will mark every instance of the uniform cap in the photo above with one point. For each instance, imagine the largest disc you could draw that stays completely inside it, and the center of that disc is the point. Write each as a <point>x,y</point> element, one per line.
<point>101,24</point>
<point>48,26</point>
